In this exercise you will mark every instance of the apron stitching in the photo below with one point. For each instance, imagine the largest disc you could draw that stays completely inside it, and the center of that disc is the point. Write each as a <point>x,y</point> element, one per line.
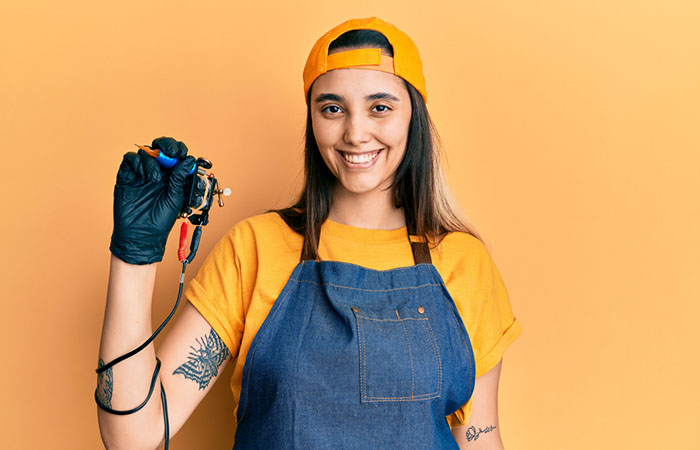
<point>410,354</point>
<point>437,355</point>
<point>365,290</point>
<point>363,369</point>
<point>406,399</point>
<point>390,320</point>
<point>364,356</point>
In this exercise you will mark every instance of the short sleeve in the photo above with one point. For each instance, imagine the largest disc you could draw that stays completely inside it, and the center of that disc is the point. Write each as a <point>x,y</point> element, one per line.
<point>496,327</point>
<point>215,291</point>
<point>485,308</point>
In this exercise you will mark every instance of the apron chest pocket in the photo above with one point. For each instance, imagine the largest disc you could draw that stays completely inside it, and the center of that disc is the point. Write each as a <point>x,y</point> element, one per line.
<point>399,355</point>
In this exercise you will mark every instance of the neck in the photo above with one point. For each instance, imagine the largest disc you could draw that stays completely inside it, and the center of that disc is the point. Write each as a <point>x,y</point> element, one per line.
<point>372,210</point>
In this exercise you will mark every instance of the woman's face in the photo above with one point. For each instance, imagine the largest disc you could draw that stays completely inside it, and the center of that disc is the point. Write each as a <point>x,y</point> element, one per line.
<point>360,120</point>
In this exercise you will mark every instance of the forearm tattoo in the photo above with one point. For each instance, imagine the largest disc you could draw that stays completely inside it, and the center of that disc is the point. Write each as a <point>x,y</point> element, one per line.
<point>473,435</point>
<point>203,362</point>
<point>105,384</point>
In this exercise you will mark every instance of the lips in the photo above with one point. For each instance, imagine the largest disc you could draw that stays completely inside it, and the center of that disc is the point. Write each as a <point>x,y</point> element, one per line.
<point>360,159</point>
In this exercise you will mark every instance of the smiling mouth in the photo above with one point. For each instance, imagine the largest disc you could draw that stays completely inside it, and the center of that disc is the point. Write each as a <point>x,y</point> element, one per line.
<point>359,158</point>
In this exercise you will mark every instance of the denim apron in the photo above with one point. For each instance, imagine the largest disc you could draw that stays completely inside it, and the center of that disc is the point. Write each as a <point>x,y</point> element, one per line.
<point>356,358</point>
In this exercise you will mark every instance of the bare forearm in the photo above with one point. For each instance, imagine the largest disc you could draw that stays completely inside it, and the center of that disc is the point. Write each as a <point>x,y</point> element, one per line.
<point>127,323</point>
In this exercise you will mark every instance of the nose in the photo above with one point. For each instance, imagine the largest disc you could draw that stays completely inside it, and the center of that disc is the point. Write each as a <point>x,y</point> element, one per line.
<point>357,130</point>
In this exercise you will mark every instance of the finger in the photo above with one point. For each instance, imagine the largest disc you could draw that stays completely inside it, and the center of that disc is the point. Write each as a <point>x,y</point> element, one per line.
<point>166,145</point>
<point>176,183</point>
<point>150,167</point>
<point>181,150</point>
<point>130,169</point>
<point>159,142</point>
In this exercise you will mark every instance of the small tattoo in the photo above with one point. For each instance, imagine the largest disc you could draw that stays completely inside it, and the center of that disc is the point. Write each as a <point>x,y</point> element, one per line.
<point>473,435</point>
<point>105,384</point>
<point>203,363</point>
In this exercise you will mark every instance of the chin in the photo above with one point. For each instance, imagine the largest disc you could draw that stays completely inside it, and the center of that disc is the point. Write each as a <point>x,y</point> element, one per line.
<point>356,190</point>
<point>360,188</point>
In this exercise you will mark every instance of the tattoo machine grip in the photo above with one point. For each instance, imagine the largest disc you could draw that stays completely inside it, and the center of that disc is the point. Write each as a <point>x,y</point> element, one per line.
<point>163,159</point>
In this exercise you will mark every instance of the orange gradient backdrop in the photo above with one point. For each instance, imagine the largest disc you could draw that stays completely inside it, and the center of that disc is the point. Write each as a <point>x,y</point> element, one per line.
<point>572,135</point>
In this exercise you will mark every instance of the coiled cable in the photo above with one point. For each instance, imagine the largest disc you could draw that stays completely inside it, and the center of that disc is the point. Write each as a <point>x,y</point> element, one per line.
<point>193,251</point>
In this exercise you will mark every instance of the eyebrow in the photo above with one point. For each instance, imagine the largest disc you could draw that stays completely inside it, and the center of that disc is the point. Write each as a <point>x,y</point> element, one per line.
<point>382,95</point>
<point>339,98</point>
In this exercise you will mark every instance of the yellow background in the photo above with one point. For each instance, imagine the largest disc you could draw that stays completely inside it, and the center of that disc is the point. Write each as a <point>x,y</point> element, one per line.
<point>572,132</point>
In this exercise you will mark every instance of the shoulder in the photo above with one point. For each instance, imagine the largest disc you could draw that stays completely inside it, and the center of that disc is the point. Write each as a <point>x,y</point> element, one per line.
<point>266,224</point>
<point>466,267</point>
<point>263,231</point>
<point>459,248</point>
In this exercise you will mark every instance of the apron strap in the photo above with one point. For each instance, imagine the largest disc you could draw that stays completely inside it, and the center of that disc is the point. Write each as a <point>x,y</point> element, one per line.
<point>420,250</point>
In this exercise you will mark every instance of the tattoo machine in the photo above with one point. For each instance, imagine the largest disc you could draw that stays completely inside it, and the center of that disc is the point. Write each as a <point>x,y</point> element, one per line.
<point>200,188</point>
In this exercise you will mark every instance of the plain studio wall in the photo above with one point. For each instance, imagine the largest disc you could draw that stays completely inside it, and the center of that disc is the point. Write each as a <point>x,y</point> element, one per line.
<point>572,142</point>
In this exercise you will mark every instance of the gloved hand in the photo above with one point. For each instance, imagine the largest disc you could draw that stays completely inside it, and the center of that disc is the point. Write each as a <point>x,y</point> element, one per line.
<point>147,200</point>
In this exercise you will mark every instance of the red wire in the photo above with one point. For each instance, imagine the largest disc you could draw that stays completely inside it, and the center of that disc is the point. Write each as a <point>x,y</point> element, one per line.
<point>181,251</point>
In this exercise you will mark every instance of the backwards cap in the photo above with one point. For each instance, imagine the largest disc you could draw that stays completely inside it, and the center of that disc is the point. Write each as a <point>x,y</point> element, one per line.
<point>406,62</point>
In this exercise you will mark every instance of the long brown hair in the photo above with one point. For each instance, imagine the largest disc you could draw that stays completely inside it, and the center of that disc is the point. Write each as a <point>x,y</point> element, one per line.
<point>419,185</point>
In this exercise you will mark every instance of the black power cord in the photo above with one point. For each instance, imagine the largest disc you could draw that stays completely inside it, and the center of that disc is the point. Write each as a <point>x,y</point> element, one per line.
<point>194,245</point>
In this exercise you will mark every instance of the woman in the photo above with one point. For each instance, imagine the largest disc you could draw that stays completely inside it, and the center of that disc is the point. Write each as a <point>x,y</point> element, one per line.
<point>346,315</point>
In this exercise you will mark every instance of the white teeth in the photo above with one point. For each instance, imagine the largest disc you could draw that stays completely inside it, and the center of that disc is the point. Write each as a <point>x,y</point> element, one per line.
<point>360,158</point>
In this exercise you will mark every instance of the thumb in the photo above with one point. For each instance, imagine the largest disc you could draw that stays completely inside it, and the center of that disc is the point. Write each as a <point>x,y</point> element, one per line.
<point>178,174</point>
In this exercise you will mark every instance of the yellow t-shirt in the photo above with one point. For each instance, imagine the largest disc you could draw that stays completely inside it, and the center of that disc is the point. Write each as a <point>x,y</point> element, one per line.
<point>244,274</point>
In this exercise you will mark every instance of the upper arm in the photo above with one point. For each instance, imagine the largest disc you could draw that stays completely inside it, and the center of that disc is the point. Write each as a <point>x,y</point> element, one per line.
<point>482,430</point>
<point>193,356</point>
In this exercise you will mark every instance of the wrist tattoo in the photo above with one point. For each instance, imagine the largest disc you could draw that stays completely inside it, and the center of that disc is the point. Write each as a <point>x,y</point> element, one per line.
<point>105,384</point>
<point>203,362</point>
<point>473,434</point>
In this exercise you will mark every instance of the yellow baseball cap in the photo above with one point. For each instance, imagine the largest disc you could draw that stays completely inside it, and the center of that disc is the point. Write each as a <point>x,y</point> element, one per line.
<point>406,62</point>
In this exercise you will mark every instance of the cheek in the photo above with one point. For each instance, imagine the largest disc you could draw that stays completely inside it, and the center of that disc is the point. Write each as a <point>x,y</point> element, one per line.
<point>324,133</point>
<point>324,141</point>
<point>396,133</point>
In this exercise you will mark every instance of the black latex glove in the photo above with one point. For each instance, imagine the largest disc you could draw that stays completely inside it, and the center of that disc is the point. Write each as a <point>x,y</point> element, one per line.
<point>147,200</point>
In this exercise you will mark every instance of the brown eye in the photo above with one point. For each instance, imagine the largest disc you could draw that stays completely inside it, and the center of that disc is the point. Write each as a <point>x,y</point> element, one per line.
<point>333,109</point>
<point>381,108</point>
